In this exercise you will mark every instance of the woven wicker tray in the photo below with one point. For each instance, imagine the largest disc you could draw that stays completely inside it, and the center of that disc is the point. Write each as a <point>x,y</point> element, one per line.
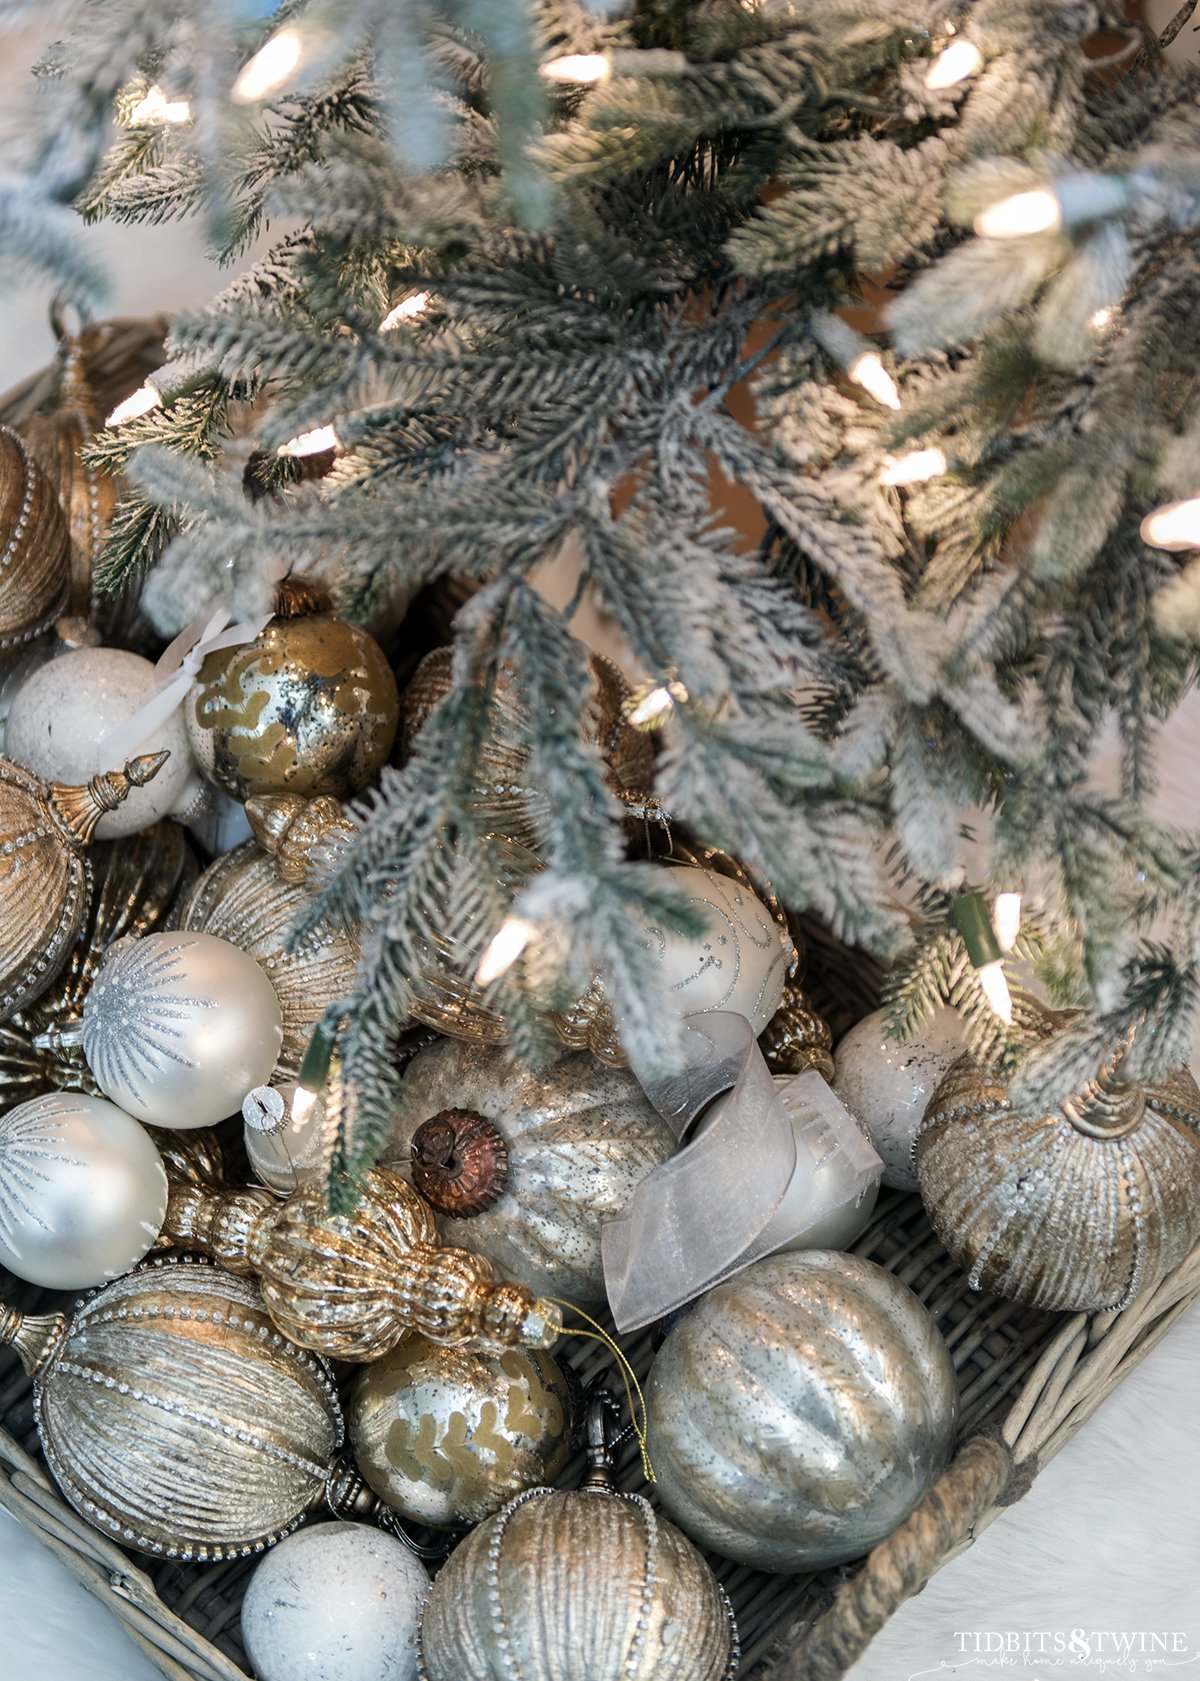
<point>1027,1380</point>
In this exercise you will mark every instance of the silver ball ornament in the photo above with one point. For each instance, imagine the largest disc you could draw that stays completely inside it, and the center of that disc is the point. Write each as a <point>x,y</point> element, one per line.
<point>177,1028</point>
<point>888,1086</point>
<point>83,1191</point>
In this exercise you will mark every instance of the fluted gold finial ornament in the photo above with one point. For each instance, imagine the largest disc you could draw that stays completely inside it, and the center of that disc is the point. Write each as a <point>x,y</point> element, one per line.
<point>351,1285</point>
<point>45,882</point>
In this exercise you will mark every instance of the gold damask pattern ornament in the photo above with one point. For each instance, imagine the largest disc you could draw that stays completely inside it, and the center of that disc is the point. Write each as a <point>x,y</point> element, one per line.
<point>45,880</point>
<point>445,1436</point>
<point>309,707</point>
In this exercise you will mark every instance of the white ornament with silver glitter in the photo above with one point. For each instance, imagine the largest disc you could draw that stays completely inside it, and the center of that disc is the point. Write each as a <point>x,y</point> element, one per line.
<point>62,712</point>
<point>83,1191</point>
<point>740,961</point>
<point>888,1085</point>
<point>177,1028</point>
<point>337,1602</point>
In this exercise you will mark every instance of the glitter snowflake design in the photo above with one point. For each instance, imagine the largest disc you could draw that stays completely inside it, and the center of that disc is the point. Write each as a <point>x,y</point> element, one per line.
<point>136,1020</point>
<point>31,1152</point>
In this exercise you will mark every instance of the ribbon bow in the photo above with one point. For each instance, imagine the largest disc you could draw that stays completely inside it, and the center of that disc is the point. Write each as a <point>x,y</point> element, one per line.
<point>175,673</point>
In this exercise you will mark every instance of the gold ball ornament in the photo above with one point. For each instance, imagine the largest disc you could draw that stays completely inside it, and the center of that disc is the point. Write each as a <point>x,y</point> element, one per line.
<point>176,1418</point>
<point>589,1584</point>
<point>445,1436</point>
<point>1077,1209</point>
<point>45,880</point>
<point>351,1285</point>
<point>35,547</point>
<point>309,707</point>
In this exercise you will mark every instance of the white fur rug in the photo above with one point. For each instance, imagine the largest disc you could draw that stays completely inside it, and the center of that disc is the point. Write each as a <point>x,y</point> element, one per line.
<point>1107,1541</point>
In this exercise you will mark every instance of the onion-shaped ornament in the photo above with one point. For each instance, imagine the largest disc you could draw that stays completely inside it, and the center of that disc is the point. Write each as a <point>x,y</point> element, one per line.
<point>44,877</point>
<point>134,886</point>
<point>177,1419</point>
<point>525,1166</point>
<point>59,718</point>
<point>505,797</point>
<point>800,1411</point>
<point>1077,1209</point>
<point>587,1583</point>
<point>82,1191</point>
<point>177,1028</point>
<point>351,1285</point>
<point>35,548</point>
<point>446,1436</point>
<point>309,707</point>
<point>253,897</point>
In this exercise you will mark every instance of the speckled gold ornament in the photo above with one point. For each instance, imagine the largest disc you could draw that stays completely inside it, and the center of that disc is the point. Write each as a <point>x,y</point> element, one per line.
<point>45,880</point>
<point>244,897</point>
<point>35,547</point>
<point>1077,1209</point>
<point>445,1436</point>
<point>309,707</point>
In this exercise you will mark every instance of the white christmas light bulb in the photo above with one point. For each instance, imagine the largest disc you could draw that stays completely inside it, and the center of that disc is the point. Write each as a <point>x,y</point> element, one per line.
<point>1176,525</point>
<point>155,107</point>
<point>869,372</point>
<point>914,468</point>
<point>270,67</point>
<point>995,990</point>
<point>405,310</point>
<point>1021,214</point>
<point>1101,319</point>
<point>145,398</point>
<point>954,64</point>
<point>578,67</point>
<point>310,443</point>
<point>503,950</point>
<point>1006,919</point>
<point>653,701</point>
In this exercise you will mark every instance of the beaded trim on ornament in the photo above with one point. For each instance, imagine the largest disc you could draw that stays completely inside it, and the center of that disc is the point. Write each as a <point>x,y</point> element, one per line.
<point>17,638</point>
<point>79,885</point>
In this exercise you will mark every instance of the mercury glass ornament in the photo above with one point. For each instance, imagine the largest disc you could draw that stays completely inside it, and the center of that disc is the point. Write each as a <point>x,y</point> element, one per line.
<point>309,707</point>
<point>82,1191</point>
<point>800,1411</point>
<point>352,1284</point>
<point>888,1085</point>
<point>134,885</point>
<point>589,1584</point>
<point>334,1602</point>
<point>504,796</point>
<point>35,547</point>
<point>61,713</point>
<point>254,896</point>
<point>176,1418</point>
<point>1076,1209</point>
<point>525,1166</point>
<point>44,877</point>
<point>445,1436</point>
<point>177,1028</point>
<point>289,1135</point>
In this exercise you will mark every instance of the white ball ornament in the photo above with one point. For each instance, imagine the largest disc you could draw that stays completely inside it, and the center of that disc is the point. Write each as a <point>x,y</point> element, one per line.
<point>888,1085</point>
<point>335,1602</point>
<point>177,1028</point>
<point>740,961</point>
<point>83,1191</point>
<point>61,713</point>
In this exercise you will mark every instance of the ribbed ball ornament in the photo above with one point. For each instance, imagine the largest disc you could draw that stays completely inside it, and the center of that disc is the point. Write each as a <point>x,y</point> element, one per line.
<point>1076,1209</point>
<point>35,546</point>
<point>800,1411</point>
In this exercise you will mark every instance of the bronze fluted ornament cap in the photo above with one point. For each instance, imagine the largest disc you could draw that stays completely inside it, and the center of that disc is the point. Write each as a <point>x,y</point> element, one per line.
<point>351,1285</point>
<point>459,1162</point>
<point>177,1419</point>
<point>1076,1209</point>
<point>45,881</point>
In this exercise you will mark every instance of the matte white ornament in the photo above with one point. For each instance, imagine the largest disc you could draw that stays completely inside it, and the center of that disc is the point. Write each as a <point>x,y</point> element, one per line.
<point>83,1191</point>
<point>177,1028</point>
<point>60,714</point>
<point>740,961</point>
<point>335,1602</point>
<point>829,1175</point>
<point>888,1085</point>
